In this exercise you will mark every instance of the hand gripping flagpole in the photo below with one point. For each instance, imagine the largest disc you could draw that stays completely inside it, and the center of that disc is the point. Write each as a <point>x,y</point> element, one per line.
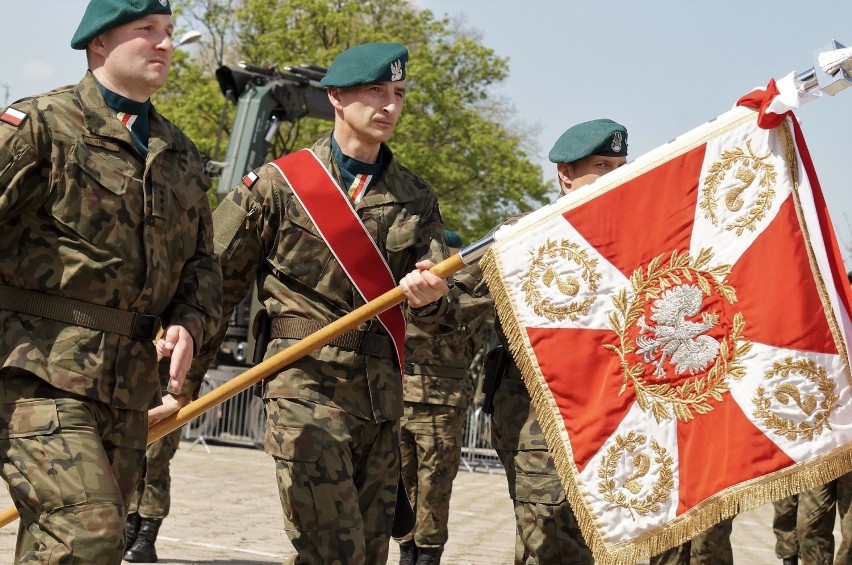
<point>831,74</point>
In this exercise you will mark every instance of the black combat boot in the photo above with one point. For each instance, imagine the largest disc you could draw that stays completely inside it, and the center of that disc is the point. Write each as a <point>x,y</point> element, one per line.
<point>131,529</point>
<point>790,560</point>
<point>407,554</point>
<point>142,550</point>
<point>429,555</point>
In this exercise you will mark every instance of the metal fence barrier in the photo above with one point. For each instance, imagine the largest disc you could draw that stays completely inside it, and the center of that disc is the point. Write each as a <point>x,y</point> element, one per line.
<point>240,419</point>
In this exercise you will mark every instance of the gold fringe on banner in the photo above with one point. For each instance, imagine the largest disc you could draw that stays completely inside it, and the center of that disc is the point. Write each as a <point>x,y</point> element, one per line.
<point>727,504</point>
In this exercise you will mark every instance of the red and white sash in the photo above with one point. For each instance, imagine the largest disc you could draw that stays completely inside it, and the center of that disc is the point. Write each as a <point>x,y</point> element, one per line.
<point>331,211</point>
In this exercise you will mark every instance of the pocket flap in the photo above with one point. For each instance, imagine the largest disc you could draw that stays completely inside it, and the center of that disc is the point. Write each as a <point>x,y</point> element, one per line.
<point>28,418</point>
<point>302,444</point>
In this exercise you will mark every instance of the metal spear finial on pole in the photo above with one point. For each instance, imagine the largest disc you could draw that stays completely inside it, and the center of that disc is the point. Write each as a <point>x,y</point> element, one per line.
<point>832,70</point>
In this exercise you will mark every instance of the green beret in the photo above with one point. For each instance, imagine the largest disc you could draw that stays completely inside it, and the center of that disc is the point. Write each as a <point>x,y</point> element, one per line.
<point>103,15</point>
<point>452,238</point>
<point>367,64</point>
<point>597,137</point>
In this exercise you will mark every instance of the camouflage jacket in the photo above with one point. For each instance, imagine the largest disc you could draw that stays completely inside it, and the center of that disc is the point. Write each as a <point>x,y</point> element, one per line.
<point>266,235</point>
<point>436,364</point>
<point>87,217</point>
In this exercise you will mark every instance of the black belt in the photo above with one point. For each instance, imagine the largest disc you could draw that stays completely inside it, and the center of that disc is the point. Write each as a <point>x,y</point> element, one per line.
<point>78,313</point>
<point>367,343</point>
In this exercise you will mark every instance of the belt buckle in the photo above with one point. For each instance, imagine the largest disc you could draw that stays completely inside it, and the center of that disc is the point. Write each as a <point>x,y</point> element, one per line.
<point>144,326</point>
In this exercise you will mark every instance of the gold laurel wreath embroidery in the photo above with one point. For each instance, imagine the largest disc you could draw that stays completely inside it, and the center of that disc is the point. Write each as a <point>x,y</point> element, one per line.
<point>751,165</point>
<point>693,395</point>
<point>660,490</point>
<point>785,393</point>
<point>539,270</point>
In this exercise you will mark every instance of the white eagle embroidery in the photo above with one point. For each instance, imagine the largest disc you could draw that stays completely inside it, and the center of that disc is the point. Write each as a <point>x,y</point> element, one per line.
<point>676,337</point>
<point>396,70</point>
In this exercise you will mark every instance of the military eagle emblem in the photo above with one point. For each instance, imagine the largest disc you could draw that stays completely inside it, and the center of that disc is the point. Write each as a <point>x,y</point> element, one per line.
<point>675,337</point>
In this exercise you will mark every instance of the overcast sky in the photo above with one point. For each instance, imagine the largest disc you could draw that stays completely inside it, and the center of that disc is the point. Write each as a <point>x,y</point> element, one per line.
<point>660,67</point>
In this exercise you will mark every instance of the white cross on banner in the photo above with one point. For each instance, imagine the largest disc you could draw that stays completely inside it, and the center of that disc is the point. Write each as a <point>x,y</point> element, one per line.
<point>682,325</point>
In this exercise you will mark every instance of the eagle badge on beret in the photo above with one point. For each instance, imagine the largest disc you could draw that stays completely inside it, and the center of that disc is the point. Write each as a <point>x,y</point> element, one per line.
<point>396,70</point>
<point>616,142</point>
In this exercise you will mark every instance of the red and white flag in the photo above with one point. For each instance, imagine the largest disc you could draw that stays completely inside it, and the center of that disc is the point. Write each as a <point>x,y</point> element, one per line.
<point>683,326</point>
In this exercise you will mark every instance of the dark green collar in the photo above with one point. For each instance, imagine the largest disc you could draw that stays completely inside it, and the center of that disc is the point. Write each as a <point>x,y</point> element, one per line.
<point>140,129</point>
<point>351,167</point>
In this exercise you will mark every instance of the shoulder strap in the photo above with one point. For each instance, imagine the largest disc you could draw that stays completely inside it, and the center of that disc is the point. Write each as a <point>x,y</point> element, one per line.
<point>331,211</point>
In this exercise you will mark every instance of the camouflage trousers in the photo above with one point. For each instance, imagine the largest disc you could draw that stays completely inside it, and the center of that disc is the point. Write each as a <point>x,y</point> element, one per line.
<point>71,464</point>
<point>337,478</point>
<point>804,524</point>
<point>710,547</point>
<point>430,447</point>
<point>152,497</point>
<point>546,528</point>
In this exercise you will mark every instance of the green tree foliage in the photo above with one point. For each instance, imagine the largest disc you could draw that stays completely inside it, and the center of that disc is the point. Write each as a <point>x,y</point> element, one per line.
<point>454,132</point>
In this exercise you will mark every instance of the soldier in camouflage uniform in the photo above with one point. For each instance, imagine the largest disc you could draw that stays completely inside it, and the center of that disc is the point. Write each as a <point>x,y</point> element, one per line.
<point>332,416</point>
<point>547,530</point>
<point>107,234</point>
<point>804,526</point>
<point>437,390</point>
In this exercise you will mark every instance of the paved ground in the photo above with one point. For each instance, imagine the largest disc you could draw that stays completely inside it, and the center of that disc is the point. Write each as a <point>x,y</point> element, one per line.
<point>225,511</point>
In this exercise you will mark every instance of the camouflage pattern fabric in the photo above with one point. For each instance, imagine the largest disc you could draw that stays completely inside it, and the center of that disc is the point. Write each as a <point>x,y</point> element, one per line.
<point>152,497</point>
<point>784,526</point>
<point>437,390</point>
<point>71,464</point>
<point>276,244</point>
<point>815,516</point>
<point>804,525</point>
<point>430,448</point>
<point>547,530</point>
<point>85,216</point>
<point>843,484</point>
<point>710,547</point>
<point>437,363</point>
<point>333,475</point>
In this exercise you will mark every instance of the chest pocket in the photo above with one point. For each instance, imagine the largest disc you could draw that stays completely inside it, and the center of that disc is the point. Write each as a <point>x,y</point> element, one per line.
<point>99,197</point>
<point>301,253</point>
<point>402,233</point>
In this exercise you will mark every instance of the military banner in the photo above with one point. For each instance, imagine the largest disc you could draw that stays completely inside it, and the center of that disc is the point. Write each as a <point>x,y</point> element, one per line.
<point>683,325</point>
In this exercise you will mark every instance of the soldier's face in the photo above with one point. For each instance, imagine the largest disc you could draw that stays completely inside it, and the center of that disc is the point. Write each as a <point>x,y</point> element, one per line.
<point>588,169</point>
<point>369,112</point>
<point>137,56</point>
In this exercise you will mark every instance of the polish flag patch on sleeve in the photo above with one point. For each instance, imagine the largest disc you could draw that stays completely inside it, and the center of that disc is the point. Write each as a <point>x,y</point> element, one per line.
<point>12,116</point>
<point>250,179</point>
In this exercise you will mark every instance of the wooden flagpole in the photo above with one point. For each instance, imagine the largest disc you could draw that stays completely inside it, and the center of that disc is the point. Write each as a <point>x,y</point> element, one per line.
<point>278,361</point>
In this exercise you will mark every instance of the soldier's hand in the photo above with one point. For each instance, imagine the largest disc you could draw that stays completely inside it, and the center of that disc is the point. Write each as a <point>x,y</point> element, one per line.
<point>176,343</point>
<point>171,404</point>
<point>422,287</point>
